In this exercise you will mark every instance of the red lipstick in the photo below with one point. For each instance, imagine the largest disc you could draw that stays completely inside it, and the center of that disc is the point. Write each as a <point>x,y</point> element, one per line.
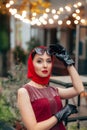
<point>45,71</point>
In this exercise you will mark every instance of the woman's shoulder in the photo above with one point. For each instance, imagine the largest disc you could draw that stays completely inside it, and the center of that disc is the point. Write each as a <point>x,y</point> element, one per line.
<point>22,90</point>
<point>26,88</point>
<point>23,87</point>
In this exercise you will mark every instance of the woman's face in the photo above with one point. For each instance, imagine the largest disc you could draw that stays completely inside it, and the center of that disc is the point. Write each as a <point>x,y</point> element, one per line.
<point>42,64</point>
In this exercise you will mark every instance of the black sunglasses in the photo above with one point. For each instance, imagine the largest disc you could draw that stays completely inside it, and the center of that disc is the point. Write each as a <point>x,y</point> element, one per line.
<point>41,51</point>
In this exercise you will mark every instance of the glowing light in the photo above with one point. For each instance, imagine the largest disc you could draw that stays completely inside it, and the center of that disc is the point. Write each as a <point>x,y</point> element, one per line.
<point>68,22</point>
<point>75,5</point>
<point>7,5</point>
<point>38,23</point>
<point>78,17</point>
<point>47,10</point>
<point>34,21</point>
<point>13,11</point>
<point>60,22</point>
<point>24,14</point>
<point>26,21</point>
<point>79,4</point>
<point>41,19</point>
<point>34,14</point>
<point>74,15</point>
<point>45,15</point>
<point>17,16</point>
<point>82,21</point>
<point>61,9</point>
<point>76,22</point>
<point>44,22</point>
<point>11,2</point>
<point>68,8</point>
<point>77,11</point>
<point>33,18</point>
<point>58,12</point>
<point>53,11</point>
<point>51,21</point>
<point>55,16</point>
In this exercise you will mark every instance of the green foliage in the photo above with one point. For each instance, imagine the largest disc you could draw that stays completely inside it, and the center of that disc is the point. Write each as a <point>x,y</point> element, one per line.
<point>4,42</point>
<point>74,127</point>
<point>5,112</point>
<point>33,43</point>
<point>19,55</point>
<point>8,105</point>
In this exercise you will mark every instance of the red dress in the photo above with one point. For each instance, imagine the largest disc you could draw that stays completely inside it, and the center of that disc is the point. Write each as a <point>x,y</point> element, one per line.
<point>45,102</point>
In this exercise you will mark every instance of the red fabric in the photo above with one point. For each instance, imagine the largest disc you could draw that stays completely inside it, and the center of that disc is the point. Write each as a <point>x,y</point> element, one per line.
<point>45,102</point>
<point>31,72</point>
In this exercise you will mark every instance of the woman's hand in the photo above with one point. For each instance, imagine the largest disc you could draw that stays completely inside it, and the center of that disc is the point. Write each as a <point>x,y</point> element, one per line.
<point>65,112</point>
<point>61,53</point>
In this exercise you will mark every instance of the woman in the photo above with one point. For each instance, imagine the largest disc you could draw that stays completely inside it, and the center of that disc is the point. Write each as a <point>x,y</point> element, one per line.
<point>40,104</point>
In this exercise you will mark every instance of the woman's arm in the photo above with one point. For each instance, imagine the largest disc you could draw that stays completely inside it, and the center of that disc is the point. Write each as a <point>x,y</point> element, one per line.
<point>76,82</point>
<point>60,52</point>
<point>28,115</point>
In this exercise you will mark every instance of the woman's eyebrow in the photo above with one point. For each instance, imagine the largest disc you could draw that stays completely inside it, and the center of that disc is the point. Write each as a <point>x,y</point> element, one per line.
<point>43,58</point>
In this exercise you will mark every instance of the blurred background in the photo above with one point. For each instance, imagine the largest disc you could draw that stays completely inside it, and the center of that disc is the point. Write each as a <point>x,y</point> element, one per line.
<point>28,23</point>
<point>25,24</point>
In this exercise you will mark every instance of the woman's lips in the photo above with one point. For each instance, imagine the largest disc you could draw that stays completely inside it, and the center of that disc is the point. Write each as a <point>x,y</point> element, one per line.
<point>45,71</point>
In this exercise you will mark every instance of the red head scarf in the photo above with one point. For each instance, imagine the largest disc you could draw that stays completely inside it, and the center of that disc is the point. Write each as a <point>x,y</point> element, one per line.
<point>32,74</point>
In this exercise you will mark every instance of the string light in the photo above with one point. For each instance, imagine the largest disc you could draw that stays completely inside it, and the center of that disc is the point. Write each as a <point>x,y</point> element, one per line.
<point>68,22</point>
<point>55,16</point>
<point>83,21</point>
<point>77,11</point>
<point>7,5</point>
<point>79,4</point>
<point>45,22</point>
<point>11,2</point>
<point>60,22</point>
<point>68,8</point>
<point>53,11</point>
<point>47,10</point>
<point>34,14</point>
<point>45,15</point>
<point>78,17</point>
<point>13,11</point>
<point>61,9</point>
<point>75,5</point>
<point>39,16</point>
<point>24,14</point>
<point>51,21</point>
<point>74,15</point>
<point>76,21</point>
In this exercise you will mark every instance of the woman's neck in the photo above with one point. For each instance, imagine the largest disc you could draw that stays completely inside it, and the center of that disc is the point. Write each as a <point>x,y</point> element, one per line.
<point>32,83</point>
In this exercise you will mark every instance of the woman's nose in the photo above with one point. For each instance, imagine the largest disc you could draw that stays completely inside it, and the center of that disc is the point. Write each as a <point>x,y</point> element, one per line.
<point>45,64</point>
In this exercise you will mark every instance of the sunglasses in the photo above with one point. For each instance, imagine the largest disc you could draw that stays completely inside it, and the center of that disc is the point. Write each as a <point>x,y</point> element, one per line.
<point>41,51</point>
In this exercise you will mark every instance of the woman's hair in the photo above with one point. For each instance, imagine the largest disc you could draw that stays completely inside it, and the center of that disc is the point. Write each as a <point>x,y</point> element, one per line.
<point>33,54</point>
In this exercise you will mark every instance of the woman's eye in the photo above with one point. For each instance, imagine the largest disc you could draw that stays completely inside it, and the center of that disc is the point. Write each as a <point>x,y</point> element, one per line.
<point>39,61</point>
<point>49,61</point>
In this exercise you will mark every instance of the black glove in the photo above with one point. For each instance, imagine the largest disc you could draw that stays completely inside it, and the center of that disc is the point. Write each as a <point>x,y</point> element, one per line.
<point>61,53</point>
<point>65,112</point>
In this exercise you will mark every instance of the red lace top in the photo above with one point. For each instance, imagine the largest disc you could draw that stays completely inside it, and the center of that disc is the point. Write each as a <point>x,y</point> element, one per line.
<point>45,102</point>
